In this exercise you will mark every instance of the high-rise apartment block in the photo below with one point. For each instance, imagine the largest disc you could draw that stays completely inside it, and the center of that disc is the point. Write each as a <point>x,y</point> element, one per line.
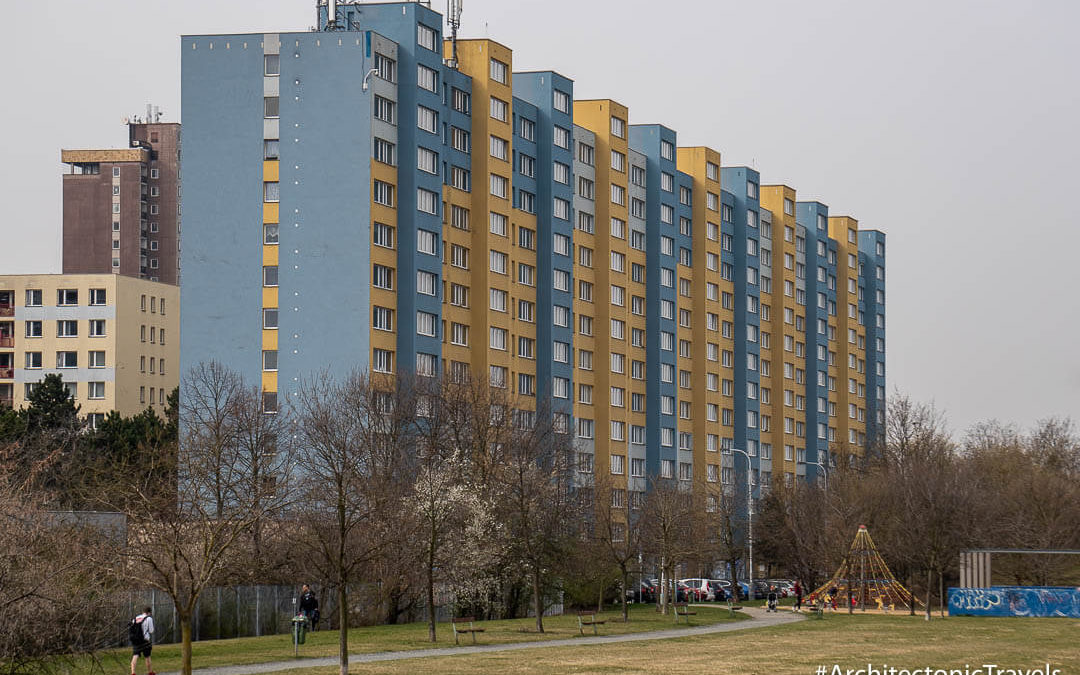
<point>366,195</point>
<point>113,339</point>
<point>122,206</point>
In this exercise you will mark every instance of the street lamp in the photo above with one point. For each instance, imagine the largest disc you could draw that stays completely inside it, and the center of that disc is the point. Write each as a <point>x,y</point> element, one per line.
<point>749,514</point>
<point>825,471</point>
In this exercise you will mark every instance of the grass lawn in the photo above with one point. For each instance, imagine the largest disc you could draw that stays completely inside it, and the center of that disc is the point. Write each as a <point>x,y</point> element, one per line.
<point>799,648</point>
<point>392,638</point>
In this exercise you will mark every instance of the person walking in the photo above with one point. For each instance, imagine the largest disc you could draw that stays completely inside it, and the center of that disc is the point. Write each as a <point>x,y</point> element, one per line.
<point>309,605</point>
<point>798,596</point>
<point>141,635</point>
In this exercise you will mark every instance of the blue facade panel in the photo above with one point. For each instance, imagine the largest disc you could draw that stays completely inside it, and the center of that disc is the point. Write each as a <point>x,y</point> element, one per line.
<point>221,160</point>
<point>537,90</point>
<point>812,219</point>
<point>872,284</point>
<point>660,326</point>
<point>324,262</point>
<point>740,264</point>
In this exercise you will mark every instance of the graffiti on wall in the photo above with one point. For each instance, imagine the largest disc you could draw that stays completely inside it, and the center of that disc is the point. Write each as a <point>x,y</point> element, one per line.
<point>1015,601</point>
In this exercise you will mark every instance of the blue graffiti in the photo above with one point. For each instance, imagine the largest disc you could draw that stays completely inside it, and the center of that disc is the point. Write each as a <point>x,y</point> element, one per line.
<point>1015,601</point>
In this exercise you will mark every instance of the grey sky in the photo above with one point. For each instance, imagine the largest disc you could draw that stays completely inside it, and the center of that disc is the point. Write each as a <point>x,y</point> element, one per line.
<point>952,126</point>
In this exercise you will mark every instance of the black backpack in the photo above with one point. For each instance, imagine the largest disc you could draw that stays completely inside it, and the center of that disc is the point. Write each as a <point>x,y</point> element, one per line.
<point>135,632</point>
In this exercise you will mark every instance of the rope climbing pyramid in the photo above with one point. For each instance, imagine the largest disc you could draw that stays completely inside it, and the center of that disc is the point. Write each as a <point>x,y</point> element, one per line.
<point>864,580</point>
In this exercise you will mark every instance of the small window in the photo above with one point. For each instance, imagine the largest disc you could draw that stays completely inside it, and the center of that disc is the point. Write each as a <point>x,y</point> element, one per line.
<point>97,296</point>
<point>270,233</point>
<point>67,297</point>
<point>271,106</point>
<point>270,318</point>
<point>270,149</point>
<point>270,275</point>
<point>499,71</point>
<point>270,359</point>
<point>33,298</point>
<point>271,64</point>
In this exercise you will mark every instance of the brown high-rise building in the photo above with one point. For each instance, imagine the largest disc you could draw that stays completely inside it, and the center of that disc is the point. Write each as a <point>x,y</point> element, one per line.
<point>122,207</point>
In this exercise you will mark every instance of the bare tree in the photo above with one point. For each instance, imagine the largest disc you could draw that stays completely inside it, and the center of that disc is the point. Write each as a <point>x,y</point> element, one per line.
<point>265,457</point>
<point>185,541</point>
<point>352,447</point>
<point>536,501</point>
<point>55,585</point>
<point>617,532</point>
<point>668,529</point>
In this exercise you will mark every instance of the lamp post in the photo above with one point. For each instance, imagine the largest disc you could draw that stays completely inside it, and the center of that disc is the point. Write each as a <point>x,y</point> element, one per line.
<point>825,471</point>
<point>749,515</point>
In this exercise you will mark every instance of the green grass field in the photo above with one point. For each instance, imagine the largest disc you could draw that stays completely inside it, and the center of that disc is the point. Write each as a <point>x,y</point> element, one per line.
<point>798,649</point>
<point>365,640</point>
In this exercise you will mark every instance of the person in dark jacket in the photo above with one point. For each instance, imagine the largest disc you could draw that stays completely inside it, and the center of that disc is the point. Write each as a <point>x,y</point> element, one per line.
<point>309,606</point>
<point>798,596</point>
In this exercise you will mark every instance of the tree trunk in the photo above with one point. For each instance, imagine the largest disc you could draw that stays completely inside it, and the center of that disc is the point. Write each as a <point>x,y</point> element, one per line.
<point>625,587</point>
<point>911,592</point>
<point>538,602</point>
<point>343,621</point>
<point>662,596</point>
<point>941,593</point>
<point>185,643</point>
<point>929,590</point>
<point>431,599</point>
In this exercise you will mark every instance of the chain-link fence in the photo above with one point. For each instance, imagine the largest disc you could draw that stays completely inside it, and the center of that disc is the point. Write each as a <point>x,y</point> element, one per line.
<point>222,612</point>
<point>250,611</point>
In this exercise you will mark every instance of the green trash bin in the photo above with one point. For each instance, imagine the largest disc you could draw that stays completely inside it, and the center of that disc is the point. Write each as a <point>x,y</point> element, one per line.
<point>299,630</point>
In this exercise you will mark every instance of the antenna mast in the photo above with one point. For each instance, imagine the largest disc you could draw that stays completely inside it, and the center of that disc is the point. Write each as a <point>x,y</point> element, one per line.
<point>454,19</point>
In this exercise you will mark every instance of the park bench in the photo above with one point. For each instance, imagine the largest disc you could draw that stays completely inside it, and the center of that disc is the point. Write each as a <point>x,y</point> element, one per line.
<point>459,626</point>
<point>683,610</point>
<point>588,618</point>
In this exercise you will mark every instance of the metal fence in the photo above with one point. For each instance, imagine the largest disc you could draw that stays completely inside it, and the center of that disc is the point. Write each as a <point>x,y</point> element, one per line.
<point>222,612</point>
<point>250,611</point>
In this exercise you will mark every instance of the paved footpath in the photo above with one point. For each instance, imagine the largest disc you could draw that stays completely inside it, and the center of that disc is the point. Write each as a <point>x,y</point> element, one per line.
<point>758,619</point>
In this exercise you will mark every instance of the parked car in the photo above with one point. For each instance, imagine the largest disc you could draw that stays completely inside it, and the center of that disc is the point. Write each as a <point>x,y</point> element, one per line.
<point>645,591</point>
<point>698,589</point>
<point>719,590</point>
<point>761,589</point>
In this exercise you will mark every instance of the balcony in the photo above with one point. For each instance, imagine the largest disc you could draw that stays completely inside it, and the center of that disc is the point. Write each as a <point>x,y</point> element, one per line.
<point>7,342</point>
<point>6,401</point>
<point>7,309</point>
<point>7,373</point>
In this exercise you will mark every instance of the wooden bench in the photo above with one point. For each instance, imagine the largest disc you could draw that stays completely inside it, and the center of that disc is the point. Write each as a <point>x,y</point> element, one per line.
<point>588,618</point>
<point>683,610</point>
<point>459,627</point>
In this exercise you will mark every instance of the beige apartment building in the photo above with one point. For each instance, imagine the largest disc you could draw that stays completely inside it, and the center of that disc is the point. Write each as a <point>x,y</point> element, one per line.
<point>114,339</point>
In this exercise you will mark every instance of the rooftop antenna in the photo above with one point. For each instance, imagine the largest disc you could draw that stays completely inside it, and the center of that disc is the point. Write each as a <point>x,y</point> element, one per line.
<point>454,19</point>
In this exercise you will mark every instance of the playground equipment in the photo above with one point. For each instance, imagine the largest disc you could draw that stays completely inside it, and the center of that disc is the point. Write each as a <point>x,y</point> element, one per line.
<point>864,578</point>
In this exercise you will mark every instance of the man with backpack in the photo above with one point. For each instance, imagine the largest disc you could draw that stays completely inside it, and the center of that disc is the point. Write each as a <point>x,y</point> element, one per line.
<point>141,635</point>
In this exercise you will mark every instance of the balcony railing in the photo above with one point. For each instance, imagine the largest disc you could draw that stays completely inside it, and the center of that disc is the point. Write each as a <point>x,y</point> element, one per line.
<point>7,342</point>
<point>6,373</point>
<point>7,402</point>
<point>7,310</point>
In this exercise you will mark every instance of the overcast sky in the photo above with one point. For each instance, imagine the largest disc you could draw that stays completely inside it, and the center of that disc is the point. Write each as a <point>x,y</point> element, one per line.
<point>951,126</point>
